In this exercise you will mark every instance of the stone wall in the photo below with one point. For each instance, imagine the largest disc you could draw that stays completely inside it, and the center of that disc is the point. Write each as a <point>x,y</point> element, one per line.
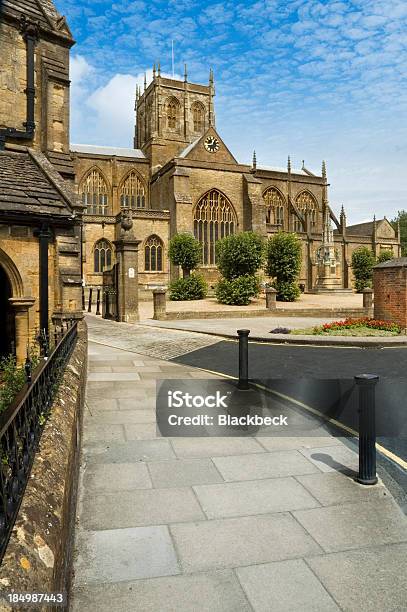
<point>38,557</point>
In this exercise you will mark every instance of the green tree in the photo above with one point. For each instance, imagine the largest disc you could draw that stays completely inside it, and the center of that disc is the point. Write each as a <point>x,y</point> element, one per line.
<point>185,251</point>
<point>284,265</point>
<point>363,260</point>
<point>402,219</point>
<point>385,255</point>
<point>240,255</point>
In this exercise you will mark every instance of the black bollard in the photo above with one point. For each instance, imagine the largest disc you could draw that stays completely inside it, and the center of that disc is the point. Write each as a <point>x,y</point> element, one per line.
<point>90,300</point>
<point>107,311</point>
<point>243,383</point>
<point>367,428</point>
<point>98,302</point>
<point>83,299</point>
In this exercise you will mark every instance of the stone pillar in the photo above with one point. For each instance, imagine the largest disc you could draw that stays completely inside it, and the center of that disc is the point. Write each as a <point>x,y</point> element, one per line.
<point>21,307</point>
<point>160,304</point>
<point>271,296</point>
<point>368,301</point>
<point>127,285</point>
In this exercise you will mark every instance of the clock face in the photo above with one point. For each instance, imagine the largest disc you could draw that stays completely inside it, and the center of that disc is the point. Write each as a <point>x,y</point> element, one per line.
<point>211,144</point>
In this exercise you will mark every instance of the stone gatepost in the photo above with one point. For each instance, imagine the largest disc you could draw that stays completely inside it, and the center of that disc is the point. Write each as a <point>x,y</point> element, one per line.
<point>271,296</point>
<point>127,279</point>
<point>160,304</point>
<point>21,307</point>
<point>390,291</point>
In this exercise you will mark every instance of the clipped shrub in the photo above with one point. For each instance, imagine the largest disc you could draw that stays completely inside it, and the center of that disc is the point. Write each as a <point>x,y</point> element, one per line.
<point>237,291</point>
<point>363,260</point>
<point>385,255</point>
<point>193,287</point>
<point>185,251</point>
<point>287,291</point>
<point>240,254</point>
<point>284,264</point>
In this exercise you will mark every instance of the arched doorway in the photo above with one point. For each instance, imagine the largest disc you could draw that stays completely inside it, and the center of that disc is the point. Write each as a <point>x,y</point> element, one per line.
<point>7,319</point>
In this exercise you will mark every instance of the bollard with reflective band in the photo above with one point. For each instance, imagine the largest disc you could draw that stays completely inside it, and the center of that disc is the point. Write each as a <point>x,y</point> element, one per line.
<point>243,383</point>
<point>367,428</point>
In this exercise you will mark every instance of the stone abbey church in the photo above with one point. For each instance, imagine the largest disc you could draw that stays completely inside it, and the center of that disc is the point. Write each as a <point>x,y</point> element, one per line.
<point>62,205</point>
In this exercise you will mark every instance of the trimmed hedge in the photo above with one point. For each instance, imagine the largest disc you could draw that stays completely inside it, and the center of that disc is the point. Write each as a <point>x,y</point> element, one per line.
<point>193,287</point>
<point>238,291</point>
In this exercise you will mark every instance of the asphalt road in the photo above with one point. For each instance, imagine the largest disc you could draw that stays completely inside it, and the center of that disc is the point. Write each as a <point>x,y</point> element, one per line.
<point>323,378</point>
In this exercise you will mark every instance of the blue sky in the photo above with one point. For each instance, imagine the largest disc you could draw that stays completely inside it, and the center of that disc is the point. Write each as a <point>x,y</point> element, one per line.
<point>316,80</point>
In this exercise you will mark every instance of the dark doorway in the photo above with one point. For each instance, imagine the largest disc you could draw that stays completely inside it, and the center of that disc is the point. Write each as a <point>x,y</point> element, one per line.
<point>7,330</point>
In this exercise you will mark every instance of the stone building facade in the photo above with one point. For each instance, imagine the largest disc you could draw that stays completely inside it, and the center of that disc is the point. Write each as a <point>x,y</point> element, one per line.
<point>182,177</point>
<point>179,176</point>
<point>40,215</point>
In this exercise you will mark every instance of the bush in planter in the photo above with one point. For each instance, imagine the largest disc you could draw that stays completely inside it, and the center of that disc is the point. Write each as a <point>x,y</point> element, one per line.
<point>191,287</point>
<point>237,291</point>
<point>363,260</point>
<point>284,264</point>
<point>185,251</point>
<point>240,255</point>
<point>385,255</point>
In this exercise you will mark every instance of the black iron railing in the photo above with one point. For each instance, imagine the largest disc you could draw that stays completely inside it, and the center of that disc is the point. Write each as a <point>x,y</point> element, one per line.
<point>21,426</point>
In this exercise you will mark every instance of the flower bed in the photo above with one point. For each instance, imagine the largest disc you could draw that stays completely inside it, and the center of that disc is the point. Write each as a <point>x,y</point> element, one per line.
<point>363,326</point>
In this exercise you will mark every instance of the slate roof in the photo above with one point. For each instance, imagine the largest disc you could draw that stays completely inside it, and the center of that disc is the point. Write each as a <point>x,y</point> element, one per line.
<point>27,186</point>
<point>62,162</point>
<point>400,262</point>
<point>111,151</point>
<point>42,11</point>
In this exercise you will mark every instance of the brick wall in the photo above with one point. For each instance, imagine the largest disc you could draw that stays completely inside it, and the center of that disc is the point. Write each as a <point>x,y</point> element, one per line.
<point>390,292</point>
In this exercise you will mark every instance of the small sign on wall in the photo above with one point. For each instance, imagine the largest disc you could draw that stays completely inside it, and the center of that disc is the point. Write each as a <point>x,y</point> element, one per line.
<point>132,273</point>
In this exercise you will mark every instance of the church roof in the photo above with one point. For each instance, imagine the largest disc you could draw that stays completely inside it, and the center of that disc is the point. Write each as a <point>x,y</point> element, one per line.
<point>42,11</point>
<point>362,229</point>
<point>281,169</point>
<point>110,151</point>
<point>189,148</point>
<point>29,185</point>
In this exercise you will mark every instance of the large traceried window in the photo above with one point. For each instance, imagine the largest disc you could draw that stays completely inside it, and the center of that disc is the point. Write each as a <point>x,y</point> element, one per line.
<point>133,192</point>
<point>198,114</point>
<point>275,212</point>
<point>153,254</point>
<point>306,204</point>
<point>94,194</point>
<point>214,218</point>
<point>102,256</point>
<point>172,113</point>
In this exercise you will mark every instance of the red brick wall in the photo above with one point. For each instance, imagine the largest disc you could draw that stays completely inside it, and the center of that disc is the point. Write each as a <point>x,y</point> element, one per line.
<point>390,294</point>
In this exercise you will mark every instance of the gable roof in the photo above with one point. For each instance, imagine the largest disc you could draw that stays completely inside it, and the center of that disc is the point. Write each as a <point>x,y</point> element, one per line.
<point>365,229</point>
<point>110,151</point>
<point>43,12</point>
<point>196,150</point>
<point>29,185</point>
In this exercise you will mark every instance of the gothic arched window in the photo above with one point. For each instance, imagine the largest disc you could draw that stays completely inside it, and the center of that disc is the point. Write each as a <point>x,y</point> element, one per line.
<point>198,114</point>
<point>172,113</point>
<point>214,218</point>
<point>275,212</point>
<point>133,192</point>
<point>306,204</point>
<point>102,256</point>
<point>153,254</point>
<point>94,193</point>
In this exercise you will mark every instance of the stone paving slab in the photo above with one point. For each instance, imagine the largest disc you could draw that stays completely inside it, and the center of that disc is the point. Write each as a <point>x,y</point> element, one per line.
<point>233,542</point>
<point>124,554</point>
<point>253,497</point>
<point>278,443</point>
<point>120,476</point>
<point>338,458</point>
<point>286,586</point>
<point>140,507</point>
<point>356,525</point>
<point>218,591</point>
<point>333,488</point>
<point>183,472</point>
<point>129,452</point>
<point>371,579</point>
<point>264,465</point>
<point>213,447</point>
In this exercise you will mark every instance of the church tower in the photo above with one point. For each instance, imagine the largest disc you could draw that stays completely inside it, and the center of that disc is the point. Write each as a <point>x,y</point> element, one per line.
<point>171,114</point>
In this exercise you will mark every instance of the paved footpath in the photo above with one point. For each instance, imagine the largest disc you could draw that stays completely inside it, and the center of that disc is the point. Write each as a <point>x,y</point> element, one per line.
<point>219,524</point>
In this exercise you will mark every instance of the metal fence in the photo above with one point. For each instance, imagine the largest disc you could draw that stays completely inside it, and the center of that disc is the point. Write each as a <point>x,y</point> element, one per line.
<point>22,423</point>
